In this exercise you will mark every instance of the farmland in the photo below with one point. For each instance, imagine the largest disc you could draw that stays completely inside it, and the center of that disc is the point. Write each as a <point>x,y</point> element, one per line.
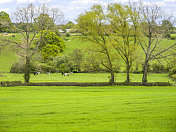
<point>88,109</point>
<point>83,77</point>
<point>112,71</point>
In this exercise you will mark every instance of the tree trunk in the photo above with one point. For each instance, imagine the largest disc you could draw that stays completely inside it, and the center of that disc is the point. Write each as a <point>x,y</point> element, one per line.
<point>112,79</point>
<point>145,71</point>
<point>27,70</point>
<point>128,73</point>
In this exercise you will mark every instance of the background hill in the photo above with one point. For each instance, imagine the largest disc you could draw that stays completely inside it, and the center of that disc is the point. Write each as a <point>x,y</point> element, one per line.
<point>8,55</point>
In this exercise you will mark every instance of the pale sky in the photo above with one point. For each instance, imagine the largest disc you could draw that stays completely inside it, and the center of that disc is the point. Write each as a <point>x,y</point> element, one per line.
<point>72,8</point>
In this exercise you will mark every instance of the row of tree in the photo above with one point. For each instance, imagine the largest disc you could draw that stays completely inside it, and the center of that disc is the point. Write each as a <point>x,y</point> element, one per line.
<point>119,32</point>
<point>124,30</point>
<point>35,28</point>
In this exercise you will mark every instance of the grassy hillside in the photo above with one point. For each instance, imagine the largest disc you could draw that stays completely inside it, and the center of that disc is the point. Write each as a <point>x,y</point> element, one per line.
<point>88,109</point>
<point>74,42</point>
<point>8,56</point>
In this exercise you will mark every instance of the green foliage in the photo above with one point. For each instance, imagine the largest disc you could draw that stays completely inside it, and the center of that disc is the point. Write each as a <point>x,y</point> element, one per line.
<point>5,22</point>
<point>8,55</point>
<point>44,68</point>
<point>50,50</point>
<point>167,26</point>
<point>68,25</point>
<point>64,68</point>
<point>57,33</point>
<point>17,67</point>
<point>173,72</point>
<point>91,63</point>
<point>67,34</point>
<point>22,27</point>
<point>51,44</point>
<point>86,84</point>
<point>10,84</point>
<point>173,36</point>
<point>158,68</point>
<point>43,22</point>
<point>71,62</point>
<point>92,26</point>
<point>125,33</point>
<point>76,59</point>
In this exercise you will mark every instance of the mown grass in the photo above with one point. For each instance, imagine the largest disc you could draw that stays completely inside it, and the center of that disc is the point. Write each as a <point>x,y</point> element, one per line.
<point>88,109</point>
<point>83,77</point>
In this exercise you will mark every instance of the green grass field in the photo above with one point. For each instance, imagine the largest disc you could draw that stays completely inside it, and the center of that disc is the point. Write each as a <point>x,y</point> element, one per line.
<point>83,77</point>
<point>7,58</point>
<point>74,42</point>
<point>88,109</point>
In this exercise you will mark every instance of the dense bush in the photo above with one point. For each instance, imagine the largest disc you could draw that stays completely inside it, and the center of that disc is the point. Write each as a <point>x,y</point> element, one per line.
<point>172,72</point>
<point>13,83</point>
<point>158,68</point>
<point>67,34</point>
<point>17,68</point>
<point>64,68</point>
<point>44,68</point>
<point>98,84</point>
<point>173,36</point>
<point>19,83</point>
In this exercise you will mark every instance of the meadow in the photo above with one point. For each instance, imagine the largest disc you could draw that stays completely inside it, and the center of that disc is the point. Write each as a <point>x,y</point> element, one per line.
<point>88,109</point>
<point>84,109</point>
<point>84,77</point>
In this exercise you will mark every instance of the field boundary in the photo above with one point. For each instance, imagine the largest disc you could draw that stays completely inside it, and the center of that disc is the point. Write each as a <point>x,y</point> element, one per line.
<point>19,83</point>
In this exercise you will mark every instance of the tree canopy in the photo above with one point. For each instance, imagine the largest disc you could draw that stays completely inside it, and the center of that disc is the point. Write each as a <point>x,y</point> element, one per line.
<point>51,44</point>
<point>5,21</point>
<point>93,27</point>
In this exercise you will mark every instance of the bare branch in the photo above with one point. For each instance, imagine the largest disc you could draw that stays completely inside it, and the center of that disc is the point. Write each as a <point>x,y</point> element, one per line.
<point>162,51</point>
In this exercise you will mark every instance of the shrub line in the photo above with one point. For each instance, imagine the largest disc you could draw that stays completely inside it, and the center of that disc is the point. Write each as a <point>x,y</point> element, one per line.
<point>19,83</point>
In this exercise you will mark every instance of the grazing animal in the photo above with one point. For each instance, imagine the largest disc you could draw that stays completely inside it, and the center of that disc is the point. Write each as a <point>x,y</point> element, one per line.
<point>71,73</point>
<point>37,73</point>
<point>66,74</point>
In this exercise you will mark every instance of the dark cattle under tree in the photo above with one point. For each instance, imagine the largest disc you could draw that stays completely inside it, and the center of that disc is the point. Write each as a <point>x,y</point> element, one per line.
<point>37,73</point>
